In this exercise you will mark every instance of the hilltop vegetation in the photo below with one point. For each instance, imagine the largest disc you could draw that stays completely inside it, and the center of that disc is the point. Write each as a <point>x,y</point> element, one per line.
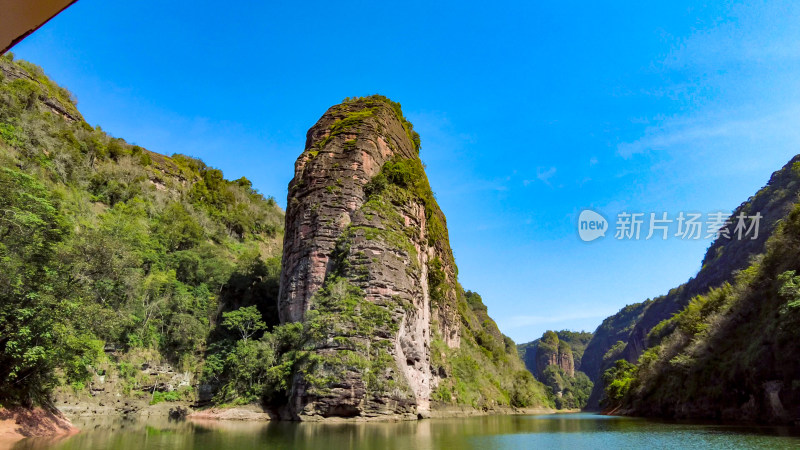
<point>732,352</point>
<point>607,345</point>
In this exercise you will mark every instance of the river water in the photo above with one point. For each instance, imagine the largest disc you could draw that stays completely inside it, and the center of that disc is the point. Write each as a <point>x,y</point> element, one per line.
<point>567,431</point>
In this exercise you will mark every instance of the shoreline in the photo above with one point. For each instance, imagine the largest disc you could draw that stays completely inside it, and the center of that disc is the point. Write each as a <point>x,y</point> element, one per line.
<point>256,413</point>
<point>699,419</point>
<point>17,423</point>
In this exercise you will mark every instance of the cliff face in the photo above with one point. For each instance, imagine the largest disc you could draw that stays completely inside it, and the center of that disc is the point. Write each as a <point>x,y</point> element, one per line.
<point>369,273</point>
<point>380,241</point>
<point>567,355</point>
<point>559,355</point>
<point>624,335</point>
<point>555,361</point>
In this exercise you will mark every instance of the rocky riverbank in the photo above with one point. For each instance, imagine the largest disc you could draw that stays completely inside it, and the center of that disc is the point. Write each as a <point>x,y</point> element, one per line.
<point>18,423</point>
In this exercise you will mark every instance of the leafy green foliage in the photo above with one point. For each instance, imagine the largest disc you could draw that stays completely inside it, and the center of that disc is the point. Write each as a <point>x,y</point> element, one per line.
<point>569,392</point>
<point>182,394</point>
<point>790,290</point>
<point>617,380</point>
<point>485,370</point>
<point>104,242</point>
<point>246,321</point>
<point>38,327</point>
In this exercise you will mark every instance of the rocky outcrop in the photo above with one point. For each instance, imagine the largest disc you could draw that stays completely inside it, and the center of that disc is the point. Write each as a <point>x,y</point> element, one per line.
<point>57,99</point>
<point>367,261</point>
<point>110,392</point>
<point>560,356</point>
<point>575,340</point>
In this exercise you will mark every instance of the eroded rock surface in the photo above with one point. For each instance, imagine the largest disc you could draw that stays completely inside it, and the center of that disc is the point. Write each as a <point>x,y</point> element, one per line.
<point>357,226</point>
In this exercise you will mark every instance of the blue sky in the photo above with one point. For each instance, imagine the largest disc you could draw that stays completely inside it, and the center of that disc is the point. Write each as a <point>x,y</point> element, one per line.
<point>529,112</point>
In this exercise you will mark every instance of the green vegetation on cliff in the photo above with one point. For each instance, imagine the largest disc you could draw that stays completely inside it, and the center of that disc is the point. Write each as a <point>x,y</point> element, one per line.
<point>554,359</point>
<point>372,100</point>
<point>730,353</point>
<point>625,335</point>
<point>484,371</point>
<point>728,349</point>
<point>105,244</point>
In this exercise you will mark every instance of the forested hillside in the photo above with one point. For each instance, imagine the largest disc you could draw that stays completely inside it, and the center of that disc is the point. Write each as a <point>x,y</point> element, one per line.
<point>113,256</point>
<point>731,353</point>
<point>625,335</point>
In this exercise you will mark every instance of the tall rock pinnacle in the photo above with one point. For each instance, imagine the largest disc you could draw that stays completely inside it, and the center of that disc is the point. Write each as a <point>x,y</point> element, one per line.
<point>367,264</point>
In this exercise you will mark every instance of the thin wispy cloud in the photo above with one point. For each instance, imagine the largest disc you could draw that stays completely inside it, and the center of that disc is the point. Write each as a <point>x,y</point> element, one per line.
<point>542,174</point>
<point>714,128</point>
<point>533,320</point>
<point>743,40</point>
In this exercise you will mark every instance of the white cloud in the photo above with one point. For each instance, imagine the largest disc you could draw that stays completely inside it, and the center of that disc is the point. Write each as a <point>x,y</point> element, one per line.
<point>544,175</point>
<point>760,33</point>
<point>716,128</point>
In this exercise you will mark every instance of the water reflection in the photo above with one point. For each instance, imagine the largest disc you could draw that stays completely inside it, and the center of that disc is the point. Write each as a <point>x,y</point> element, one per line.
<point>494,432</point>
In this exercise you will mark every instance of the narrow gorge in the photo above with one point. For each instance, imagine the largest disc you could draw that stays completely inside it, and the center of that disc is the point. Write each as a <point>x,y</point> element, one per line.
<point>195,302</point>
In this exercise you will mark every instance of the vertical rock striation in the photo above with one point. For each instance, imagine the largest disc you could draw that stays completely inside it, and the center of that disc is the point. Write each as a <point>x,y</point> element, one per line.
<point>552,351</point>
<point>367,266</point>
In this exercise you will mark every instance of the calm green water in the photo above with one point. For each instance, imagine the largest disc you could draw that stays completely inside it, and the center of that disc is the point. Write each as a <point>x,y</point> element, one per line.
<point>568,431</point>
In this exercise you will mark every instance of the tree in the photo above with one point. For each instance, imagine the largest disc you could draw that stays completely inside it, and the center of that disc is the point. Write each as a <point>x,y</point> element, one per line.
<point>617,381</point>
<point>247,321</point>
<point>37,334</point>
